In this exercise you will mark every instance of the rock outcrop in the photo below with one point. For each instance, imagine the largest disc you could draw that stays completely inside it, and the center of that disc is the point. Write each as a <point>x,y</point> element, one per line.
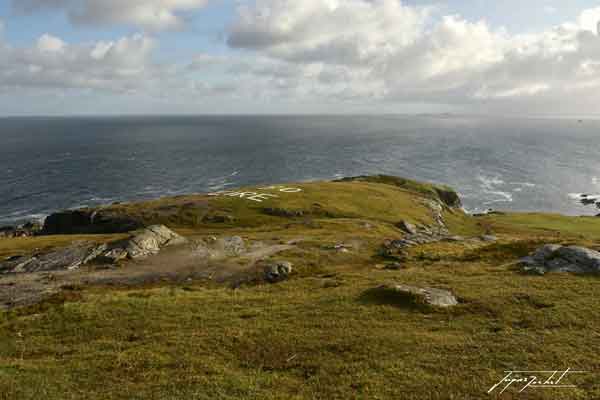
<point>68,258</point>
<point>143,244</point>
<point>407,227</point>
<point>219,248</point>
<point>88,221</point>
<point>556,258</point>
<point>25,230</point>
<point>421,296</point>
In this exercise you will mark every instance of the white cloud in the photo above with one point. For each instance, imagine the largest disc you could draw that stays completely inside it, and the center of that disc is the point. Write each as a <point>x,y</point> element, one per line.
<point>590,20</point>
<point>334,31</point>
<point>401,53</point>
<point>121,65</point>
<point>147,14</point>
<point>340,52</point>
<point>50,43</point>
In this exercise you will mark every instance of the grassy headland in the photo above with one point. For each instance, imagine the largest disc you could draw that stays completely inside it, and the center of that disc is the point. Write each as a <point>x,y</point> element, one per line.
<point>322,333</point>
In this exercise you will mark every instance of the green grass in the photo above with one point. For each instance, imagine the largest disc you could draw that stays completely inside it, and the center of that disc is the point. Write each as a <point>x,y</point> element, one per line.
<point>322,334</point>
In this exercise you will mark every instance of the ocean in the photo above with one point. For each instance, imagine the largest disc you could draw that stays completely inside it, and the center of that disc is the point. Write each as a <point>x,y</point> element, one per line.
<point>518,164</point>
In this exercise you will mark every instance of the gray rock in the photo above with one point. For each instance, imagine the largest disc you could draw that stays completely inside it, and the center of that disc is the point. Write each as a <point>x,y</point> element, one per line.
<point>395,266</point>
<point>407,227</point>
<point>556,258</point>
<point>454,239</point>
<point>232,246</point>
<point>147,242</point>
<point>430,296</point>
<point>488,238</point>
<point>151,240</point>
<point>67,258</point>
<point>113,256</point>
<point>277,271</point>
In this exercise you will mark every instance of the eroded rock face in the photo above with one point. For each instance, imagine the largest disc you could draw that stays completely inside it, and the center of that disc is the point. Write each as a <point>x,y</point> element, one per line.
<point>556,258</point>
<point>429,296</point>
<point>277,271</point>
<point>88,221</point>
<point>143,244</point>
<point>68,258</point>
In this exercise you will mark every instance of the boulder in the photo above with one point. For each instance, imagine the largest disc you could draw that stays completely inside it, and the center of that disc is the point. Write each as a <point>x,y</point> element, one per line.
<point>556,258</point>
<point>231,246</point>
<point>429,296</point>
<point>150,241</point>
<point>277,271</point>
<point>407,227</point>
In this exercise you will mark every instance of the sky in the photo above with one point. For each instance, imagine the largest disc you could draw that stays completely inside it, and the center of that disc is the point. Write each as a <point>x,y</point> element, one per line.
<point>119,57</point>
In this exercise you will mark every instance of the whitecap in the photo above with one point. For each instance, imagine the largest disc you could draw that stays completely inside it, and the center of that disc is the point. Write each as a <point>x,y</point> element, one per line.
<point>524,184</point>
<point>582,196</point>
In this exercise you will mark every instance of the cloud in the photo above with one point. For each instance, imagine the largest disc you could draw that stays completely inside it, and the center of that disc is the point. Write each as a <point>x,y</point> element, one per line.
<point>124,70</point>
<point>590,20</point>
<point>118,66</point>
<point>50,43</point>
<point>338,32</point>
<point>383,50</point>
<point>378,53</point>
<point>151,15</point>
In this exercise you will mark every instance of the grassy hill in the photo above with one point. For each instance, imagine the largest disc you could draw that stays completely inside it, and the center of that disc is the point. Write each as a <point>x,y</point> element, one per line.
<point>322,333</point>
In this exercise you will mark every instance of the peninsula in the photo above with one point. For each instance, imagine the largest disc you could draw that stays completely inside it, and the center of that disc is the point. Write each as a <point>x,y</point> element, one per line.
<point>366,287</point>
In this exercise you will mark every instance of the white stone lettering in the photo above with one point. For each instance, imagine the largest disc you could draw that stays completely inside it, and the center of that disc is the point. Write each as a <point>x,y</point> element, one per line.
<point>255,196</point>
<point>282,189</point>
<point>263,196</point>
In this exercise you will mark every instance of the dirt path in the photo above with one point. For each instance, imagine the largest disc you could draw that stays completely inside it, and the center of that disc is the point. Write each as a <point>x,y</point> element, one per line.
<point>177,264</point>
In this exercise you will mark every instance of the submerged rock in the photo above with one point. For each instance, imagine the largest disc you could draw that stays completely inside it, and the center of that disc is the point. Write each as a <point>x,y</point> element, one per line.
<point>556,258</point>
